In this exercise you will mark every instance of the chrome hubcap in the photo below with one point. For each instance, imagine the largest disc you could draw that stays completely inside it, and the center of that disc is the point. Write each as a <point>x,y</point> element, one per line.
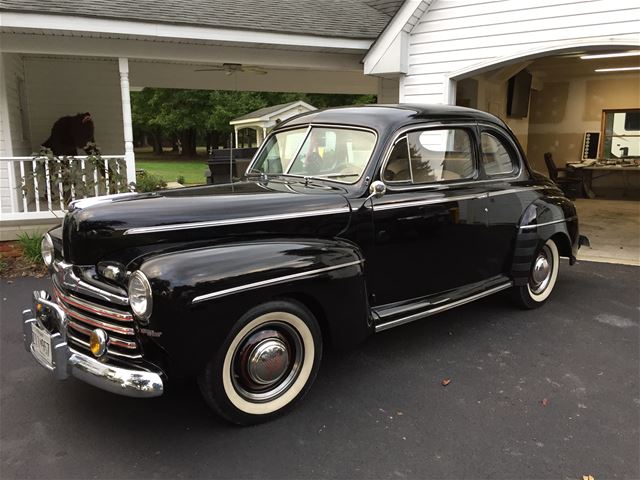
<point>541,271</point>
<point>268,361</point>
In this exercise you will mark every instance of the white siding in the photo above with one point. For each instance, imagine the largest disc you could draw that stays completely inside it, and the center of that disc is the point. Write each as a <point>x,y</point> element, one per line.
<point>14,139</point>
<point>457,35</point>
<point>57,87</point>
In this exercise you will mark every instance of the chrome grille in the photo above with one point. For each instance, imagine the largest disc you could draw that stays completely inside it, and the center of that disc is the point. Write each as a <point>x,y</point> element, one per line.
<point>85,316</point>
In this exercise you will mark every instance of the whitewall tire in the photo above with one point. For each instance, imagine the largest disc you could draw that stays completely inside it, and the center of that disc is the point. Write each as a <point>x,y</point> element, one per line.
<point>267,363</point>
<point>542,277</point>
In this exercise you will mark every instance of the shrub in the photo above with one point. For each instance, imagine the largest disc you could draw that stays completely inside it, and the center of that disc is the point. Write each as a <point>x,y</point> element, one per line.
<point>180,179</point>
<point>149,183</point>
<point>30,245</point>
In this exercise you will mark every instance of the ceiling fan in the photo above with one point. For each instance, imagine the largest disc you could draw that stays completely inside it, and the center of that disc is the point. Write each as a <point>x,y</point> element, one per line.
<point>231,68</point>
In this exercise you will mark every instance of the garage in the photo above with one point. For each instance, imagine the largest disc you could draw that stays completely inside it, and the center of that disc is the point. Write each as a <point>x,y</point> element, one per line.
<point>562,75</point>
<point>576,116</point>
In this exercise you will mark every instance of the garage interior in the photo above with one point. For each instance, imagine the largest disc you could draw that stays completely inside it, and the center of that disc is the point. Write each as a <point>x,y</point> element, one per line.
<point>582,107</point>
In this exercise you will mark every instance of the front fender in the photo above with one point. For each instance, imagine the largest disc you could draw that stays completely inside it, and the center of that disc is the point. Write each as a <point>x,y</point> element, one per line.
<point>198,294</point>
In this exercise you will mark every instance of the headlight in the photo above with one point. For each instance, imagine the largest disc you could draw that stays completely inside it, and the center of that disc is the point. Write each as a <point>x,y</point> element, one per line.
<point>140,298</point>
<point>46,249</point>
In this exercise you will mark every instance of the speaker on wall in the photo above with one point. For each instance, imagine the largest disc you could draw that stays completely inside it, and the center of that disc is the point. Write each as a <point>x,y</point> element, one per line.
<point>518,91</point>
<point>590,145</point>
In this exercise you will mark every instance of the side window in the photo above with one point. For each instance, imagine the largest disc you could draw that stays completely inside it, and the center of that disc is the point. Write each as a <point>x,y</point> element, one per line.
<point>496,157</point>
<point>397,169</point>
<point>427,156</point>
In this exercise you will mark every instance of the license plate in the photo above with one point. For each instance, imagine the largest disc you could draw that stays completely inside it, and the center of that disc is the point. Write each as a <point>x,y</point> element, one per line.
<point>41,342</point>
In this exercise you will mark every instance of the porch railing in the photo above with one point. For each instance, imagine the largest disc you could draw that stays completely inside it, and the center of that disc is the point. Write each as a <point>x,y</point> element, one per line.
<point>38,188</point>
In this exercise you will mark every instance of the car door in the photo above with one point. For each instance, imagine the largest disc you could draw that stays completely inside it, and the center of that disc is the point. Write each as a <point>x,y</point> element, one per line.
<point>430,226</point>
<point>501,168</point>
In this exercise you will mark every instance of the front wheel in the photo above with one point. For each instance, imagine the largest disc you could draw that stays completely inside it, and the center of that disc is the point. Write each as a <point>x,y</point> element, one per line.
<point>268,362</point>
<point>542,277</point>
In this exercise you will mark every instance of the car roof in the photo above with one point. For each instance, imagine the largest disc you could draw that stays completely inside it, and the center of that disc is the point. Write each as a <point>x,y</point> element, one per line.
<point>383,117</point>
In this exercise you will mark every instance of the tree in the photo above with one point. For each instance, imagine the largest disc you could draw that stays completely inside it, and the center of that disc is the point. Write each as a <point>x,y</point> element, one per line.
<point>191,115</point>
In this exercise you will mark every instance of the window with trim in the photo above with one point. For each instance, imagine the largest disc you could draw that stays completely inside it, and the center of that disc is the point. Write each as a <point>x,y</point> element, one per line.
<point>428,156</point>
<point>496,156</point>
<point>621,134</point>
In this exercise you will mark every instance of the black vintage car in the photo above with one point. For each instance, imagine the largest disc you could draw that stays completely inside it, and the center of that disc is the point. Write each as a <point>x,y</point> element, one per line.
<point>348,222</point>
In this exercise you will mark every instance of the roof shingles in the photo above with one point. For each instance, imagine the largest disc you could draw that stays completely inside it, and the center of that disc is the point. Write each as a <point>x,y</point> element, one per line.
<point>356,19</point>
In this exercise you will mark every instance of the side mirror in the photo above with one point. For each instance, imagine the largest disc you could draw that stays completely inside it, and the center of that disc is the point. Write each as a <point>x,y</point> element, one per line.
<point>377,189</point>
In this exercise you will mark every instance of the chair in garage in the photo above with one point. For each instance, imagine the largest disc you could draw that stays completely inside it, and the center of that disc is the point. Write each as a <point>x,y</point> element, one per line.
<point>568,179</point>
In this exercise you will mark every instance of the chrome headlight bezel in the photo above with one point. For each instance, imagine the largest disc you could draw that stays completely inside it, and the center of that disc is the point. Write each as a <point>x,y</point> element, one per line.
<point>47,251</point>
<point>140,296</point>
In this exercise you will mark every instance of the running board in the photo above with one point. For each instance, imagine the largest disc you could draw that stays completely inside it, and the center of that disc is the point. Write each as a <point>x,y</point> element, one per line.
<point>427,313</point>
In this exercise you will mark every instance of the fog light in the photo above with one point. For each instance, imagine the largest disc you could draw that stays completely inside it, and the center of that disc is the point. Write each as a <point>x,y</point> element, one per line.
<point>98,342</point>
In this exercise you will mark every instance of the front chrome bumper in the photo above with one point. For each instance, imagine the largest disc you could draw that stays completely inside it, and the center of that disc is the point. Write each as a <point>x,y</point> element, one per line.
<point>67,362</point>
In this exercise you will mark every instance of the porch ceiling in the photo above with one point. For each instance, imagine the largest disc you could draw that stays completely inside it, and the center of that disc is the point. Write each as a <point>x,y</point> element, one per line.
<point>197,51</point>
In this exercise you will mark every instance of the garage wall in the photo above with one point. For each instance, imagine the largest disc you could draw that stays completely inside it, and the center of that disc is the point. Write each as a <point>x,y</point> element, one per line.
<point>61,86</point>
<point>562,111</point>
<point>455,36</point>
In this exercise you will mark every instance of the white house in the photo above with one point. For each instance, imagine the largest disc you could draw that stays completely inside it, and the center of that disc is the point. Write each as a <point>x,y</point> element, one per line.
<point>60,58</point>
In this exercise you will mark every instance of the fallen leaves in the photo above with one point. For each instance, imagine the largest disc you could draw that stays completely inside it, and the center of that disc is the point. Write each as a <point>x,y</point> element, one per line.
<point>587,477</point>
<point>445,382</point>
<point>544,402</point>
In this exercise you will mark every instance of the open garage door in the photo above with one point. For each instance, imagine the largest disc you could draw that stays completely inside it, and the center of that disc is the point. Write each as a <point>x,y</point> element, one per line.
<point>577,115</point>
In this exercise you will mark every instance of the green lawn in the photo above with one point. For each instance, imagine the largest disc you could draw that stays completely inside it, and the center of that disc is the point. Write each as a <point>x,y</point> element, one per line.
<point>171,167</point>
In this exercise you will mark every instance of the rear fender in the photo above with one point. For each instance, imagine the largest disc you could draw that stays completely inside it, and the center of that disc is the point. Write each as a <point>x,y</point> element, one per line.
<point>199,294</point>
<point>546,218</point>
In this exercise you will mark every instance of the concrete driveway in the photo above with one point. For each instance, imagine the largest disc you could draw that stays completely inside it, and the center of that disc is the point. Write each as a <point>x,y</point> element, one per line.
<point>552,393</point>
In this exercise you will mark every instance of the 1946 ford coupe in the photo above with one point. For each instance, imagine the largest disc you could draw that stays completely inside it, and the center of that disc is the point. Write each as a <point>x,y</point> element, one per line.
<point>348,221</point>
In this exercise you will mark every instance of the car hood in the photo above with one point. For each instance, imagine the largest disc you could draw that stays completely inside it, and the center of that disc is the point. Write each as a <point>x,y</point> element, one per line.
<point>96,227</point>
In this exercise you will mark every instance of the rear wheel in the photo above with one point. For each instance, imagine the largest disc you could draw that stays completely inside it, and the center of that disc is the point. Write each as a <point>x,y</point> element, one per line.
<point>267,363</point>
<point>542,277</point>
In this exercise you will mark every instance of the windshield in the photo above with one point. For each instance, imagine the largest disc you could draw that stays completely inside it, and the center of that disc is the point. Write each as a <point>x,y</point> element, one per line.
<point>339,154</point>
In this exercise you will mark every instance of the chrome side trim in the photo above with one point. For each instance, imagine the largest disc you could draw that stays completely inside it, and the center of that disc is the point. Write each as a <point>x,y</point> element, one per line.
<point>417,316</point>
<point>235,221</point>
<point>513,190</point>
<point>416,203</point>
<point>271,281</point>
<point>90,202</point>
<point>553,222</point>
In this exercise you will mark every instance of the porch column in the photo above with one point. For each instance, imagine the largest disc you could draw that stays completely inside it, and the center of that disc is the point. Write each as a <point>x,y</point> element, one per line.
<point>264,134</point>
<point>129,156</point>
<point>236,130</point>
